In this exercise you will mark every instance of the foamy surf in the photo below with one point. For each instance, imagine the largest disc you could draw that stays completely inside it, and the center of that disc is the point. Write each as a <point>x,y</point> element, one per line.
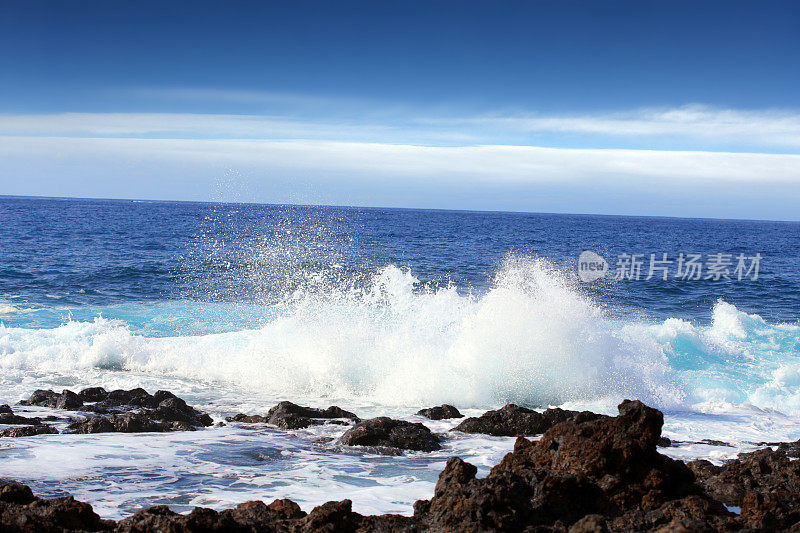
<point>532,338</point>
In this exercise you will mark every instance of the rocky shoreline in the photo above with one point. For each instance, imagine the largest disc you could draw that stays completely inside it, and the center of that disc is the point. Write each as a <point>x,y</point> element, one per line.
<point>587,473</point>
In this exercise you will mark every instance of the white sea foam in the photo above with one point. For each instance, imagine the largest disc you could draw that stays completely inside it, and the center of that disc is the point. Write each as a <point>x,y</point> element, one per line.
<point>530,339</point>
<point>533,338</point>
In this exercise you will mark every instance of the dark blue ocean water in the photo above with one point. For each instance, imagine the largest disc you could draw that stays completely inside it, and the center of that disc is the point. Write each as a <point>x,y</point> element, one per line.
<point>66,257</point>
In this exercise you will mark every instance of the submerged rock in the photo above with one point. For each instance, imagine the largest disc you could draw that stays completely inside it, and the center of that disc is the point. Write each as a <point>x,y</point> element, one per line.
<point>515,421</point>
<point>389,433</point>
<point>441,412</point>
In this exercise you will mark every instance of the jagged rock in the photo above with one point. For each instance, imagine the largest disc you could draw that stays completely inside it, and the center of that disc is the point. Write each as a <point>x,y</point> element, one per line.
<point>764,483</point>
<point>288,415</point>
<point>515,421</point>
<point>703,469</point>
<point>28,431</point>
<point>791,449</point>
<point>606,466</point>
<point>125,400</point>
<point>386,432</point>
<point>6,410</point>
<point>587,474</point>
<point>441,412</point>
<point>712,442</point>
<point>21,511</point>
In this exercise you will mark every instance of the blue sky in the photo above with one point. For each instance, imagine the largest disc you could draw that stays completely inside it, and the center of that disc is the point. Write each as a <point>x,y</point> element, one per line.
<point>668,108</point>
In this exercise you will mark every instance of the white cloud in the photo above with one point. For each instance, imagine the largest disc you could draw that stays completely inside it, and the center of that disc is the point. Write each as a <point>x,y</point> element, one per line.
<point>690,127</point>
<point>493,177</point>
<point>491,164</point>
<point>777,128</point>
<point>477,163</point>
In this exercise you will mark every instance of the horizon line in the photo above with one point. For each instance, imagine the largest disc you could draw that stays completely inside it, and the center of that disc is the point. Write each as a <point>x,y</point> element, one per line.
<point>334,206</point>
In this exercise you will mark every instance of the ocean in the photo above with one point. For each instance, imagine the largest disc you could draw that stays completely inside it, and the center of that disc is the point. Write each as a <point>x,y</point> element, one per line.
<point>235,307</point>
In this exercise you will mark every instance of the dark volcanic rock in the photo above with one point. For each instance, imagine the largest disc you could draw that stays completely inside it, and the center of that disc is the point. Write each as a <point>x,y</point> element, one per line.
<point>586,474</point>
<point>93,394</point>
<point>21,511</point>
<point>389,433</point>
<point>441,412</point>
<point>764,483</point>
<point>124,423</point>
<point>42,398</point>
<point>13,420</point>
<point>791,449</point>
<point>122,411</point>
<point>28,431</point>
<point>5,410</point>
<point>125,400</point>
<point>247,419</point>
<point>288,415</point>
<point>69,400</point>
<point>256,516</point>
<point>601,466</point>
<point>515,421</point>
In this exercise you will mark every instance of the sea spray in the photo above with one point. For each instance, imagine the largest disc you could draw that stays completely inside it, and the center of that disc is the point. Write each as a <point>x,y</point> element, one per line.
<point>532,338</point>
